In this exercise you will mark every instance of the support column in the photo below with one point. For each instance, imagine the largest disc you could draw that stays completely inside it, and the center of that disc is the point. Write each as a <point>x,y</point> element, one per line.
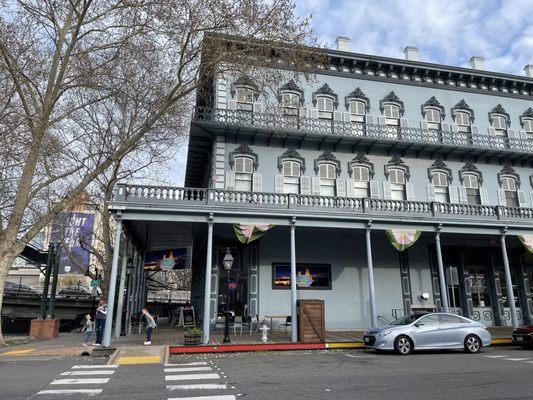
<point>120,303</point>
<point>508,282</point>
<point>207,283</point>
<point>129,295</point>
<point>112,285</point>
<point>371,291</point>
<point>442,279</point>
<point>294,294</point>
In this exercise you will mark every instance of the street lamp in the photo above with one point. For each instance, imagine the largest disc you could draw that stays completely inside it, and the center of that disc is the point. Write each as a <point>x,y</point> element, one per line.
<point>227,262</point>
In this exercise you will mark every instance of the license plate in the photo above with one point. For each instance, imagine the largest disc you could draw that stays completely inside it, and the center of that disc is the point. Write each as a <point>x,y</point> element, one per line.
<point>519,339</point>
<point>367,340</point>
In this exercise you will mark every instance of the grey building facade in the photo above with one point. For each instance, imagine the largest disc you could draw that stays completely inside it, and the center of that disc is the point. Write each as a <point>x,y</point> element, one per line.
<point>371,144</point>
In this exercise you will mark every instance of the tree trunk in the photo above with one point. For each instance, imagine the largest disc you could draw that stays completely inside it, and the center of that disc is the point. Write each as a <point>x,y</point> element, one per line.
<point>5,263</point>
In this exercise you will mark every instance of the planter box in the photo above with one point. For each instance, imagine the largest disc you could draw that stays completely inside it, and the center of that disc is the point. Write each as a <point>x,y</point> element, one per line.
<point>192,340</point>
<point>44,328</point>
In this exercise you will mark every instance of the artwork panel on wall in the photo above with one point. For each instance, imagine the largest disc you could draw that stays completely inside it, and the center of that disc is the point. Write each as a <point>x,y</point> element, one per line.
<point>309,276</point>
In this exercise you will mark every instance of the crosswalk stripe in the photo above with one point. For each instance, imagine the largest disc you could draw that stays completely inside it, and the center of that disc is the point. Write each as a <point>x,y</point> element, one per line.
<point>94,366</point>
<point>188,369</point>
<point>198,386</point>
<point>80,381</point>
<point>224,397</point>
<point>90,392</point>
<point>186,364</point>
<point>191,377</point>
<point>89,372</point>
<point>516,359</point>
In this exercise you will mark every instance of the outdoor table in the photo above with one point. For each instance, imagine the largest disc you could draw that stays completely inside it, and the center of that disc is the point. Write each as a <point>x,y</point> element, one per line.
<point>272,317</point>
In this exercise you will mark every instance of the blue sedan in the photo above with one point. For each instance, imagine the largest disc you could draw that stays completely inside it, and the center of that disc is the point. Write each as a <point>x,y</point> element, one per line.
<point>428,331</point>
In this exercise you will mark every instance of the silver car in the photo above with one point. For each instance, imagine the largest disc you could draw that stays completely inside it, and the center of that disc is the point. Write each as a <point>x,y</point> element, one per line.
<point>428,331</point>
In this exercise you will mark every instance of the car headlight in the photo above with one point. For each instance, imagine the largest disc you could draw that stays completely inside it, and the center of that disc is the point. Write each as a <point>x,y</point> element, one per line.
<point>384,333</point>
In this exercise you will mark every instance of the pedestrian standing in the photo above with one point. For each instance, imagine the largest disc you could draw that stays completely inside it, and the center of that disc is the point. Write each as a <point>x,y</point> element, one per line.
<point>88,329</point>
<point>149,327</point>
<point>101,313</point>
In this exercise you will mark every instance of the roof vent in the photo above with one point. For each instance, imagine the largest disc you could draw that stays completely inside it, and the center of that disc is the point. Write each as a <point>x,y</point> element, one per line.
<point>343,43</point>
<point>528,69</point>
<point>477,62</point>
<point>412,53</point>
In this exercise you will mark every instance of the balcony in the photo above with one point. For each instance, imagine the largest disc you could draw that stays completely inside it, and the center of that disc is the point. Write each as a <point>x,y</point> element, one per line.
<point>413,140</point>
<point>176,199</point>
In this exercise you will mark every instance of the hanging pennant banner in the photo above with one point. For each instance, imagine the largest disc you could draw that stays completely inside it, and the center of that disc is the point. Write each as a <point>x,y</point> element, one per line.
<point>248,233</point>
<point>402,239</point>
<point>527,241</point>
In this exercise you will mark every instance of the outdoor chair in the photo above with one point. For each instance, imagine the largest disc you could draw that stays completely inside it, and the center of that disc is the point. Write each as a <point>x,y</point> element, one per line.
<point>250,323</point>
<point>236,323</point>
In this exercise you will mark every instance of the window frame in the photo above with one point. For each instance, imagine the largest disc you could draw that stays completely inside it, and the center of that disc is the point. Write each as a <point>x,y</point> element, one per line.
<point>245,105</point>
<point>294,109</point>
<point>327,181</point>
<point>291,180</point>
<point>325,114</point>
<point>244,175</point>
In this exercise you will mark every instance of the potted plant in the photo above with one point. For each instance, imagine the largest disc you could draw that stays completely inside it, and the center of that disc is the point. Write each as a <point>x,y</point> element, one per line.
<point>192,336</point>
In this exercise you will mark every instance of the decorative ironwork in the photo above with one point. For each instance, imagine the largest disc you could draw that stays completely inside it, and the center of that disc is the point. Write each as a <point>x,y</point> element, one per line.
<point>464,107</point>
<point>361,160</point>
<point>527,115</point>
<point>291,86</point>
<point>291,154</point>
<point>433,103</point>
<point>244,81</point>
<point>440,166</point>
<point>398,163</point>
<point>327,157</point>
<point>499,110</point>
<point>246,151</point>
<point>508,170</point>
<point>470,168</point>
<point>391,98</point>
<point>325,90</point>
<point>357,94</point>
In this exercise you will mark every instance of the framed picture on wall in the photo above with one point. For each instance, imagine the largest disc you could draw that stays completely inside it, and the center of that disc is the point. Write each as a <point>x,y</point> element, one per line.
<point>308,276</point>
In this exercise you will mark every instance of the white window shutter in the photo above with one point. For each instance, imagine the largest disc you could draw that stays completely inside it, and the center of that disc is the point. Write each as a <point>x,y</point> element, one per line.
<point>431,192</point>
<point>232,105</point>
<point>257,182</point>
<point>454,128</point>
<point>258,108</point>
<point>454,194</point>
<point>484,196</point>
<point>350,189</point>
<point>387,195</point>
<point>423,125</point>
<point>446,127</point>
<point>521,198</point>
<point>374,189</point>
<point>312,113</point>
<point>315,185</point>
<point>410,191</point>
<point>370,119</point>
<point>337,115</point>
<point>230,180</point>
<point>341,187</point>
<point>278,183</point>
<point>404,122</point>
<point>305,185</point>
<point>474,129</point>
<point>491,131</point>
<point>382,120</point>
<point>463,198</point>
<point>501,197</point>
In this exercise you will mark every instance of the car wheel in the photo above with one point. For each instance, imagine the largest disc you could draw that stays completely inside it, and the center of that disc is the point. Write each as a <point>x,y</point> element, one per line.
<point>403,345</point>
<point>472,344</point>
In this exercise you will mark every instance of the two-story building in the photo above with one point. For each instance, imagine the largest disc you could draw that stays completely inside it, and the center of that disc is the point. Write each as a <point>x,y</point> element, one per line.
<point>373,144</point>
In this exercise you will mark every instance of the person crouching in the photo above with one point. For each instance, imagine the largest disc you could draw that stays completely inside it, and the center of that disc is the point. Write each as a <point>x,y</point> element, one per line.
<point>149,327</point>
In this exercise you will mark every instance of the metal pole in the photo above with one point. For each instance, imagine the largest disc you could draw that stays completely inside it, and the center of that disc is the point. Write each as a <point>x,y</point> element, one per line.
<point>128,295</point>
<point>112,286</point>
<point>226,321</point>
<point>442,279</point>
<point>371,291</point>
<point>120,304</point>
<point>294,293</point>
<point>135,292</point>
<point>207,283</point>
<point>508,283</point>
<point>46,284</point>
<point>57,259</point>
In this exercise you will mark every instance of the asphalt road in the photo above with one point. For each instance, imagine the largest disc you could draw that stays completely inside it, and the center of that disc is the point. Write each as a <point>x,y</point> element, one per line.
<point>499,373</point>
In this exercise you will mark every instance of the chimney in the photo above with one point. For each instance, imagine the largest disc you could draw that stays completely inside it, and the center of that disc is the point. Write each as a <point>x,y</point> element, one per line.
<point>343,43</point>
<point>528,69</point>
<point>477,62</point>
<point>412,53</point>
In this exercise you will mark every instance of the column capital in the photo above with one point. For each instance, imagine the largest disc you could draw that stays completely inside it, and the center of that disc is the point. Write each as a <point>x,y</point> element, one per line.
<point>438,229</point>
<point>369,224</point>
<point>293,221</point>
<point>211,218</point>
<point>504,231</point>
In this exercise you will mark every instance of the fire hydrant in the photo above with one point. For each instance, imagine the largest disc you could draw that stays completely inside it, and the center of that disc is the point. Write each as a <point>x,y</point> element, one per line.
<point>264,332</point>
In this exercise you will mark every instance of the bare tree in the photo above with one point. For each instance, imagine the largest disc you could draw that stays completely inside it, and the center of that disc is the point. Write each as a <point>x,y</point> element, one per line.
<point>66,65</point>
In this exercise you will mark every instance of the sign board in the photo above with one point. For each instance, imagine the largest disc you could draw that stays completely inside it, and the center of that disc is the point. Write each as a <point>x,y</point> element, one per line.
<point>187,317</point>
<point>95,283</point>
<point>166,260</point>
<point>232,285</point>
<point>167,264</point>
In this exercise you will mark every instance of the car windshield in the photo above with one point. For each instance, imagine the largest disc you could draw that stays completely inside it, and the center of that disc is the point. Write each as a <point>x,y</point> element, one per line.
<point>408,319</point>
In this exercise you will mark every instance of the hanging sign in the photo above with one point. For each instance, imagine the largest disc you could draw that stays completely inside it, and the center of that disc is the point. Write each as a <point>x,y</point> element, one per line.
<point>248,233</point>
<point>402,239</point>
<point>527,241</point>
<point>232,285</point>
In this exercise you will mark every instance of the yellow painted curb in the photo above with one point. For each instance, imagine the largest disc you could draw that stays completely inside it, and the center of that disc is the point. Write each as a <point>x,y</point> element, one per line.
<point>502,341</point>
<point>139,360</point>
<point>348,345</point>
<point>17,352</point>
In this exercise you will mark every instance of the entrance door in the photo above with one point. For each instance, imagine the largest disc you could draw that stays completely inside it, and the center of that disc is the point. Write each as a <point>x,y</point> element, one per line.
<point>236,280</point>
<point>453,288</point>
<point>505,298</point>
<point>481,299</point>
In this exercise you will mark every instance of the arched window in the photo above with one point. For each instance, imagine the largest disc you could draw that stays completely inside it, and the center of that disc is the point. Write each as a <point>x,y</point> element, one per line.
<point>392,109</point>
<point>526,119</point>
<point>433,112</point>
<point>499,120</point>
<point>509,193</point>
<point>327,173</point>
<point>244,164</point>
<point>508,185</point>
<point>397,183</point>
<point>440,182</point>
<point>463,116</point>
<point>291,98</point>
<point>291,176</point>
<point>325,100</point>
<point>244,168</point>
<point>245,92</point>
<point>357,105</point>
<point>471,184</point>
<point>361,180</point>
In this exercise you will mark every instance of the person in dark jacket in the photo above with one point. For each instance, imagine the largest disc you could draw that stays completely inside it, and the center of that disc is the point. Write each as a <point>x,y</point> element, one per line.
<point>101,314</point>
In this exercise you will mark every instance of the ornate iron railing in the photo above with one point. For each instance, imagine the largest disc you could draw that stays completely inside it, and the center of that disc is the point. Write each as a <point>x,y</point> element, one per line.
<point>165,196</point>
<point>300,125</point>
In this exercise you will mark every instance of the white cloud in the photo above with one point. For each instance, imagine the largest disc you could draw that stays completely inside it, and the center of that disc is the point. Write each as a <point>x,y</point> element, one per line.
<point>446,31</point>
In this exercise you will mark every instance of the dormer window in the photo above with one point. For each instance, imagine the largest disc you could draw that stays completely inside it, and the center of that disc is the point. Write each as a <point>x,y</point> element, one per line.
<point>245,98</point>
<point>324,105</point>
<point>244,168</point>
<point>499,120</point>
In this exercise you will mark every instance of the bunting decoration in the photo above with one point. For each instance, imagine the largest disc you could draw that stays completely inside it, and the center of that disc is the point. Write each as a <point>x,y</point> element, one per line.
<point>248,233</point>
<point>402,239</point>
<point>527,241</point>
